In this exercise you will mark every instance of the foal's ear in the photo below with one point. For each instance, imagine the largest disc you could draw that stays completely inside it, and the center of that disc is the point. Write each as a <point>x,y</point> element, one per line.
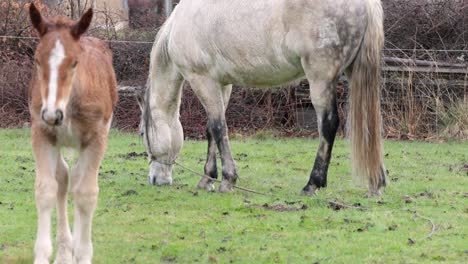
<point>39,23</point>
<point>81,26</point>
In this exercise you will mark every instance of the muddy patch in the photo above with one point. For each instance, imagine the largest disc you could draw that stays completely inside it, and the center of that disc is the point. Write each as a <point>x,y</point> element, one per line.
<point>130,193</point>
<point>241,157</point>
<point>23,159</point>
<point>133,155</point>
<point>284,207</point>
<point>337,206</point>
<point>425,194</point>
<point>365,228</point>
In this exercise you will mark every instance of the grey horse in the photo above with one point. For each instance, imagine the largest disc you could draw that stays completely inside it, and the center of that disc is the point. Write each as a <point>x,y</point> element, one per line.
<point>214,44</point>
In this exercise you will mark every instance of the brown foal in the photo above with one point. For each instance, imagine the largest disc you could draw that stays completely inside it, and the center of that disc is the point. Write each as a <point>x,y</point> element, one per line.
<point>72,97</point>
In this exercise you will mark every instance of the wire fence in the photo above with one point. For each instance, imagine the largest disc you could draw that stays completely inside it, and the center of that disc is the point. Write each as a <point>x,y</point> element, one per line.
<point>424,91</point>
<point>414,103</point>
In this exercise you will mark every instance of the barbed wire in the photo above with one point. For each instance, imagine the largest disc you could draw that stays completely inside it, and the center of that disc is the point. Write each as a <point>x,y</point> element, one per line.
<point>432,50</point>
<point>414,102</point>
<point>151,42</point>
<point>107,40</point>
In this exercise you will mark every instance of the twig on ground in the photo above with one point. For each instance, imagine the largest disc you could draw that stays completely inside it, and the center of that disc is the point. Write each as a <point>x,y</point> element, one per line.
<point>433,226</point>
<point>338,206</point>
<point>335,205</point>
<point>216,180</point>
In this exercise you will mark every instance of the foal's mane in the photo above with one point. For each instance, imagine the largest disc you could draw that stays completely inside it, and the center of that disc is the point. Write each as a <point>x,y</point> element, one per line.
<point>59,22</point>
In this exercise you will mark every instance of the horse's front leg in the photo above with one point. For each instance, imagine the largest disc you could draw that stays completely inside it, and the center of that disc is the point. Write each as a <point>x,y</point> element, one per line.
<point>85,190</point>
<point>210,165</point>
<point>323,97</point>
<point>46,156</point>
<point>64,238</point>
<point>211,168</point>
<point>211,95</point>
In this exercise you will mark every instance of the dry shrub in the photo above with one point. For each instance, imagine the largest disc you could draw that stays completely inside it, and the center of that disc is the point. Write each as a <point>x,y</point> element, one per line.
<point>249,110</point>
<point>405,115</point>
<point>426,24</point>
<point>453,119</point>
<point>415,105</point>
<point>15,72</point>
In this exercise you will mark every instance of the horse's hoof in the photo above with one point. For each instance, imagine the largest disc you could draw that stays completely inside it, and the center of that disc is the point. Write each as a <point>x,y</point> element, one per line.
<point>309,191</point>
<point>374,193</point>
<point>226,186</point>
<point>166,181</point>
<point>159,181</point>
<point>152,180</point>
<point>206,184</point>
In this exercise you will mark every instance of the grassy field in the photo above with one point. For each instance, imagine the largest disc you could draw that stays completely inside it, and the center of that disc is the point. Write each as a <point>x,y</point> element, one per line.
<point>138,223</point>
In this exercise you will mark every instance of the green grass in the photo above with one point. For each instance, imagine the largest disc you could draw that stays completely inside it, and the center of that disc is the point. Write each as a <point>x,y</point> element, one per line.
<point>138,223</point>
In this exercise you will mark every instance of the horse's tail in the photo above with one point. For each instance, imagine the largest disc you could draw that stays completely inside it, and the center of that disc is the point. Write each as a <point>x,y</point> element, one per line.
<point>365,121</point>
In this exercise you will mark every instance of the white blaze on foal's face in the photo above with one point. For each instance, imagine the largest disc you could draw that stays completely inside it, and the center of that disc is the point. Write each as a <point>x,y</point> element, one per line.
<point>57,71</point>
<point>55,60</point>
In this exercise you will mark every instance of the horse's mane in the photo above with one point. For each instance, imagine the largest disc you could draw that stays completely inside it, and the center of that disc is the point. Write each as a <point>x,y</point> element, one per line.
<point>161,43</point>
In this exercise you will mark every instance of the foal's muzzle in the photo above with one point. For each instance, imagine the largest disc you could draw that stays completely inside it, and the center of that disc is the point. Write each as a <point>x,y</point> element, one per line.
<point>52,118</point>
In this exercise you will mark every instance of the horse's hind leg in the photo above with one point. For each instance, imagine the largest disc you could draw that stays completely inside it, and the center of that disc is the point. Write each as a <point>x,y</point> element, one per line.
<point>210,165</point>
<point>212,98</point>
<point>64,238</point>
<point>323,97</point>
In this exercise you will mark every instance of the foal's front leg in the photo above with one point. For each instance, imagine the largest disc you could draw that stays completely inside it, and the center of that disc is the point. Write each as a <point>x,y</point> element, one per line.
<point>64,238</point>
<point>84,188</point>
<point>46,156</point>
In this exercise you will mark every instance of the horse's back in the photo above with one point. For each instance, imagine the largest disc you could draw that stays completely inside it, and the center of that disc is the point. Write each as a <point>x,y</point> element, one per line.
<point>263,42</point>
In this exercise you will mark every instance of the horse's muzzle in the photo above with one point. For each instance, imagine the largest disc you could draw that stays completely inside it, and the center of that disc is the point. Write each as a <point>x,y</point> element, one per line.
<point>52,118</point>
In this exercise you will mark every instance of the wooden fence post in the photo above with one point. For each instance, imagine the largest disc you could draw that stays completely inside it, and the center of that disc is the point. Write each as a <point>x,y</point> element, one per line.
<point>168,4</point>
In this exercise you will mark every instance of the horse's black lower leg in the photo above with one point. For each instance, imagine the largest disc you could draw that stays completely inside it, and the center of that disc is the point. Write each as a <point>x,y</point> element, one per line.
<point>218,130</point>
<point>210,165</point>
<point>328,121</point>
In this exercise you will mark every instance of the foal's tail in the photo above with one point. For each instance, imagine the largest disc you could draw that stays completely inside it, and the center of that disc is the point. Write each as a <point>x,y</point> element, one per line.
<point>365,121</point>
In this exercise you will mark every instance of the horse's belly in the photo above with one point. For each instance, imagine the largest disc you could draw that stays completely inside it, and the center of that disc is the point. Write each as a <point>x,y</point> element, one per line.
<point>261,76</point>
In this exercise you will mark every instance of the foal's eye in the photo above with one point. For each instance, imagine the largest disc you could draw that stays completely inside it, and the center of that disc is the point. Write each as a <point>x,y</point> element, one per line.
<point>74,64</point>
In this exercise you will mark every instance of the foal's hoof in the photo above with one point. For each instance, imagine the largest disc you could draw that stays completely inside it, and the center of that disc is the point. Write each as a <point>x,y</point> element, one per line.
<point>206,184</point>
<point>226,186</point>
<point>41,261</point>
<point>64,252</point>
<point>64,259</point>
<point>309,190</point>
<point>82,261</point>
